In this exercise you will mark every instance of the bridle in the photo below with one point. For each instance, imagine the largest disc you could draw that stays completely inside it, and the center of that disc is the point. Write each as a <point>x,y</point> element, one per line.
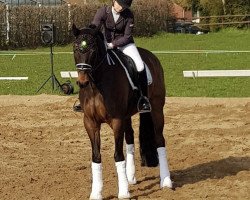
<point>88,68</point>
<point>83,67</point>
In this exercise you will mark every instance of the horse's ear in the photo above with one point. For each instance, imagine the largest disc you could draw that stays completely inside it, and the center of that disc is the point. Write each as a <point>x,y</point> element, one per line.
<point>75,30</point>
<point>101,35</point>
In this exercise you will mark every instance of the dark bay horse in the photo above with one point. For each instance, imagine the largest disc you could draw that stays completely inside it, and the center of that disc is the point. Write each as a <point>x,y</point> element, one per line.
<point>107,97</point>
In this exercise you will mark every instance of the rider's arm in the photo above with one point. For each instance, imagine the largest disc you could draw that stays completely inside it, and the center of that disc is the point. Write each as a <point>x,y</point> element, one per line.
<point>127,37</point>
<point>99,17</point>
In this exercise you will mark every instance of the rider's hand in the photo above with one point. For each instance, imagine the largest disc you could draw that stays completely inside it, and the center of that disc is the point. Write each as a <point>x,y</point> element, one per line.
<point>110,45</point>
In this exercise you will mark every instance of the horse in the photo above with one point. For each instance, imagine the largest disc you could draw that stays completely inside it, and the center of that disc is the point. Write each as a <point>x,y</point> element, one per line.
<point>106,96</point>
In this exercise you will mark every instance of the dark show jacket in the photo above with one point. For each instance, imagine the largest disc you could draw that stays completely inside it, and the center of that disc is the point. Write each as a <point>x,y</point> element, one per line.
<point>119,33</point>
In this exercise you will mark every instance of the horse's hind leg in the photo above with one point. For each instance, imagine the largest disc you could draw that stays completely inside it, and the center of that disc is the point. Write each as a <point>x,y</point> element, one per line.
<point>118,128</point>
<point>158,121</point>
<point>93,131</point>
<point>130,149</point>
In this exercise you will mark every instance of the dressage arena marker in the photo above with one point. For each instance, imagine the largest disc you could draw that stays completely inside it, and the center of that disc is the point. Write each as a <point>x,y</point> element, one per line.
<point>216,73</point>
<point>189,74</point>
<point>69,74</point>
<point>14,78</point>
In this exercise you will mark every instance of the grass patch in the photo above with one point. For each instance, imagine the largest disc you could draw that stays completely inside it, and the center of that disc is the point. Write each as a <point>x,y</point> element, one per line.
<point>37,67</point>
<point>228,39</point>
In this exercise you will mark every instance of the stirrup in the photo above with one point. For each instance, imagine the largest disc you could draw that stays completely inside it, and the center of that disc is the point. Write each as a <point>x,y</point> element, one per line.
<point>77,108</point>
<point>143,110</point>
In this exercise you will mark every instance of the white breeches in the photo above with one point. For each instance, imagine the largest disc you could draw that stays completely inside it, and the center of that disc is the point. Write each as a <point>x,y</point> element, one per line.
<point>132,51</point>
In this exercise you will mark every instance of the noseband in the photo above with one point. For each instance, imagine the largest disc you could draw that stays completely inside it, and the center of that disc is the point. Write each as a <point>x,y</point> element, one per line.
<point>83,67</point>
<point>88,67</point>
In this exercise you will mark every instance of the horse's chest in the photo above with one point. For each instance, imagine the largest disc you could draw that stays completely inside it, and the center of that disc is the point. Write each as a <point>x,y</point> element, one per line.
<point>95,109</point>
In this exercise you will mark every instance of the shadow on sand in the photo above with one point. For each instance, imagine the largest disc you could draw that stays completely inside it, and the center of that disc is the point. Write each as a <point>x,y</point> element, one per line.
<point>211,170</point>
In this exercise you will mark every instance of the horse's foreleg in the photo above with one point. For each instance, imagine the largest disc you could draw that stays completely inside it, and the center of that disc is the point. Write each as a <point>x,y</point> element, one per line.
<point>93,130</point>
<point>164,170</point>
<point>130,149</point>
<point>118,128</point>
<point>158,121</point>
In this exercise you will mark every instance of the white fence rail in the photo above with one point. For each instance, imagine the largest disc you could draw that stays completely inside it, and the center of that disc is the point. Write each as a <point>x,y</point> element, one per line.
<point>216,73</point>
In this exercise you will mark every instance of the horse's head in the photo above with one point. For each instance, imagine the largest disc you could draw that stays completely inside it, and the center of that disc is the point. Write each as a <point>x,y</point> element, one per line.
<point>89,51</point>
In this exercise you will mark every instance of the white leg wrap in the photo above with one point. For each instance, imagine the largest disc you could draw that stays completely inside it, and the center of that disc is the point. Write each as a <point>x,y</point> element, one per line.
<point>164,171</point>
<point>122,180</point>
<point>97,182</point>
<point>130,164</point>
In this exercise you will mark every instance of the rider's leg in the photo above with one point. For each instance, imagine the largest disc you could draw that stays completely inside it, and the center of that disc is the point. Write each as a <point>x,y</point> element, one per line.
<point>132,51</point>
<point>143,104</point>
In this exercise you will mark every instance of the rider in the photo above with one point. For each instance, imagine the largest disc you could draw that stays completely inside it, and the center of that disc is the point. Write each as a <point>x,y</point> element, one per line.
<point>118,23</point>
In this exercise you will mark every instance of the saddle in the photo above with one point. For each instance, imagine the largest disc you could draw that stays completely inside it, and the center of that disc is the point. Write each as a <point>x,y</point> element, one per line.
<point>116,55</point>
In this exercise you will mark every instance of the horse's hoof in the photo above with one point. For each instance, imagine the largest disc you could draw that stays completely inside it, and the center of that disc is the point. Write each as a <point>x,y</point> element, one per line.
<point>95,197</point>
<point>132,182</point>
<point>124,196</point>
<point>167,183</point>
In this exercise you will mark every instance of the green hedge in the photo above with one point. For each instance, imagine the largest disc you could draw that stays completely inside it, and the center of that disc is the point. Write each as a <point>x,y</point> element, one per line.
<point>25,21</point>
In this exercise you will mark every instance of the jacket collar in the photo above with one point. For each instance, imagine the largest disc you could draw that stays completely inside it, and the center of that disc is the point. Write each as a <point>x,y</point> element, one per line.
<point>110,15</point>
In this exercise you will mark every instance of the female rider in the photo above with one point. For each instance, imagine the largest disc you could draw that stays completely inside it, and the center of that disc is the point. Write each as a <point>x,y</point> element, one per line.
<point>118,23</point>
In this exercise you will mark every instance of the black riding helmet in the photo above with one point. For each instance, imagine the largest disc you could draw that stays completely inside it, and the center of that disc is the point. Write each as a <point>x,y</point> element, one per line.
<point>125,3</point>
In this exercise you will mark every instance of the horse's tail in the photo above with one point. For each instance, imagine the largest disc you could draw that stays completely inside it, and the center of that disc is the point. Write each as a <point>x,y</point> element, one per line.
<point>149,156</point>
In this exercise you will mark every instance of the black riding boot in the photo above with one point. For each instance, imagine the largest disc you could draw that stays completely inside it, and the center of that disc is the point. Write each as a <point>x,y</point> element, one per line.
<point>143,103</point>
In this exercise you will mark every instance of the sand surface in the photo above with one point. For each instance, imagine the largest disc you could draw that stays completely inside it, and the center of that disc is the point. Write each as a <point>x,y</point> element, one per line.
<point>46,154</point>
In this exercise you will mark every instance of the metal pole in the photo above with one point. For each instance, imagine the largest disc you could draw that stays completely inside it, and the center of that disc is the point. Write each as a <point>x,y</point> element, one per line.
<point>52,66</point>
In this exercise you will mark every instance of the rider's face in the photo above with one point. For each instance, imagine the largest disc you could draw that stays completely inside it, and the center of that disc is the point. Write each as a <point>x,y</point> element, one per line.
<point>118,7</point>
